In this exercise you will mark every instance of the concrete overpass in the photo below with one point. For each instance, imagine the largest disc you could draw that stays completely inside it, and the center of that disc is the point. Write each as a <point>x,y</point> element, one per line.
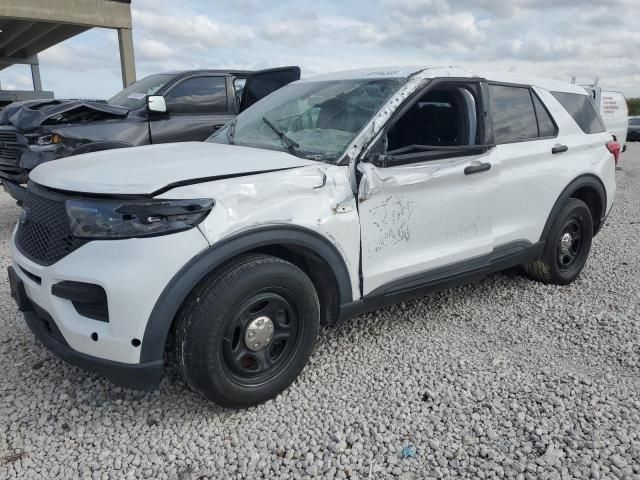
<point>27,27</point>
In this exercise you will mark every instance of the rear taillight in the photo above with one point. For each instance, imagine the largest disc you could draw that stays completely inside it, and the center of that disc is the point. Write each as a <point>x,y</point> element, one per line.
<point>614,148</point>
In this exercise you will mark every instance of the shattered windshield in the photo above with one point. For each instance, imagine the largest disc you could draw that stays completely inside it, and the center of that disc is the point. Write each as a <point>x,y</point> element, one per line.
<point>313,120</point>
<point>135,94</point>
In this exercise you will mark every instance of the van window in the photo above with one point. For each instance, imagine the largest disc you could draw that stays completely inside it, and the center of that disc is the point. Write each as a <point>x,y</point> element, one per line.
<point>514,118</point>
<point>581,108</point>
<point>198,95</point>
<point>546,127</point>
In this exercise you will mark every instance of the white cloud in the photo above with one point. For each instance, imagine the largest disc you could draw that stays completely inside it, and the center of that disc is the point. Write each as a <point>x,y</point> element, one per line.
<point>544,37</point>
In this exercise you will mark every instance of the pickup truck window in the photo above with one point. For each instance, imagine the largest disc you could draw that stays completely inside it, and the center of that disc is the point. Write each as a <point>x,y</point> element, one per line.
<point>198,95</point>
<point>134,96</point>
<point>313,120</point>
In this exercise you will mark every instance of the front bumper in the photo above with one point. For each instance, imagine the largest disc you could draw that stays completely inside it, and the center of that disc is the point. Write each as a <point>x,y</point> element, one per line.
<point>14,189</point>
<point>132,272</point>
<point>141,376</point>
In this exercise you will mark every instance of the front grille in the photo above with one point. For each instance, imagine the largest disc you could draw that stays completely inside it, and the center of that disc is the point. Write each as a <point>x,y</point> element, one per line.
<point>8,137</point>
<point>44,235</point>
<point>9,151</point>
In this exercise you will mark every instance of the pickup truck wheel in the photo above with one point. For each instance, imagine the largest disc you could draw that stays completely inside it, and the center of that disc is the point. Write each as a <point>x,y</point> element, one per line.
<point>567,246</point>
<point>247,332</point>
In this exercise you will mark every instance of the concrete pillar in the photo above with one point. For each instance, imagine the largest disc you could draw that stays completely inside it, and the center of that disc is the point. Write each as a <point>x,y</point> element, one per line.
<point>35,75</point>
<point>127,62</point>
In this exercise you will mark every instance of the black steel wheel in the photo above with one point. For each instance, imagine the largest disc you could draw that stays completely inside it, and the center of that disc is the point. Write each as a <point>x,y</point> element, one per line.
<point>261,338</point>
<point>569,244</point>
<point>566,247</point>
<point>246,333</point>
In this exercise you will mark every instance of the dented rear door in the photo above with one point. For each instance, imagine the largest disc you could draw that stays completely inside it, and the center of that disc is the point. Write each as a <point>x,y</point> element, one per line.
<point>418,217</point>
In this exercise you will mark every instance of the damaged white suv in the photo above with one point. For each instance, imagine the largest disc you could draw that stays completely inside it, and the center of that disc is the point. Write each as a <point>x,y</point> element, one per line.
<point>332,196</point>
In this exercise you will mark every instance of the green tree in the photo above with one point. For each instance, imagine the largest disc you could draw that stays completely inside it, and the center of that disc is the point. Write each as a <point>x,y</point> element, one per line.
<point>634,106</point>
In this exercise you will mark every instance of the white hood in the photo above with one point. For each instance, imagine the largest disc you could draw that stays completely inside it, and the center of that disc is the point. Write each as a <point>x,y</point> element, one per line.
<point>145,170</point>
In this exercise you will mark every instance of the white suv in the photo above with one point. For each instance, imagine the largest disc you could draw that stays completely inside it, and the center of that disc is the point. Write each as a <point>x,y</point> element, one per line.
<point>332,196</point>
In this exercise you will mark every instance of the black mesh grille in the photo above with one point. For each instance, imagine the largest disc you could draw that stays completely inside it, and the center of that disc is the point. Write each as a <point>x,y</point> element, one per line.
<point>9,147</point>
<point>43,229</point>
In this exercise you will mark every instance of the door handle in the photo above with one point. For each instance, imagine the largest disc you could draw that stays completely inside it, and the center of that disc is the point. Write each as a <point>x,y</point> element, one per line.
<point>559,149</point>
<point>482,167</point>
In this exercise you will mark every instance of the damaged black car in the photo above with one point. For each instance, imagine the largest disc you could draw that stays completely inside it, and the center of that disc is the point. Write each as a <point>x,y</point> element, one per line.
<point>161,108</point>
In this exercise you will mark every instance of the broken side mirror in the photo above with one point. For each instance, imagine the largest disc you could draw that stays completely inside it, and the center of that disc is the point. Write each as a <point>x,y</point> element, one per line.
<point>156,103</point>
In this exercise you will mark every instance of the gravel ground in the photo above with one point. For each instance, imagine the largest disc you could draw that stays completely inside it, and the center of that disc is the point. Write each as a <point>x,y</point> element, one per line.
<point>503,378</point>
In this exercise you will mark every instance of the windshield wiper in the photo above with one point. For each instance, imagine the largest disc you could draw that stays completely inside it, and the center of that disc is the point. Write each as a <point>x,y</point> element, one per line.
<point>288,142</point>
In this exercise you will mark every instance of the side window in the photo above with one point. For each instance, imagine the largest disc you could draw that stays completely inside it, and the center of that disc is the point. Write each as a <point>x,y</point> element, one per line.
<point>546,127</point>
<point>198,95</point>
<point>581,108</point>
<point>514,118</point>
<point>443,117</point>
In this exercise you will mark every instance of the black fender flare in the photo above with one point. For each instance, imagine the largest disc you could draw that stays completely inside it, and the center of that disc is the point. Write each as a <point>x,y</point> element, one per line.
<point>586,180</point>
<point>194,271</point>
<point>99,146</point>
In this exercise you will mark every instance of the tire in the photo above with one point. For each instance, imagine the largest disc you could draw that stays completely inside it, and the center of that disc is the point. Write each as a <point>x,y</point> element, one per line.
<point>562,261</point>
<point>225,324</point>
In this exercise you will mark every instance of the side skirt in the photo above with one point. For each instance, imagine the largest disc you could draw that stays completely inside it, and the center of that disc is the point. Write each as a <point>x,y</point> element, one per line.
<point>441,278</point>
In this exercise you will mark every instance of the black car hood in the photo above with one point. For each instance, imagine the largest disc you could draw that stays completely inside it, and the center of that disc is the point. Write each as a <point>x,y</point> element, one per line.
<point>32,114</point>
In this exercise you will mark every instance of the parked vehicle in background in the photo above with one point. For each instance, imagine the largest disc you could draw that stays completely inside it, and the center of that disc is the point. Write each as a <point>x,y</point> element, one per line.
<point>161,108</point>
<point>333,196</point>
<point>633,133</point>
<point>613,110</point>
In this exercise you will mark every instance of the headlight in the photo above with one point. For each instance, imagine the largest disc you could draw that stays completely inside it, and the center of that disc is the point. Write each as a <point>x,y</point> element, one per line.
<point>109,219</point>
<point>49,139</point>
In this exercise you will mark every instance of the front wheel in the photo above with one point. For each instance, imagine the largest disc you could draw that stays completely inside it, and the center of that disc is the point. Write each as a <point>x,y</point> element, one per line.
<point>248,331</point>
<point>566,247</point>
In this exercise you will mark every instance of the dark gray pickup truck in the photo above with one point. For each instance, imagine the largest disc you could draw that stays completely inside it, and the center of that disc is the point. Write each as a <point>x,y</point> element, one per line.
<point>161,108</point>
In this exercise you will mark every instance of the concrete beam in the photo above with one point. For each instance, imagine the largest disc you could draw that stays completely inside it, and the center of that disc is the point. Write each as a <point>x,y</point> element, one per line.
<point>15,32</point>
<point>127,61</point>
<point>60,34</point>
<point>90,13</point>
<point>35,77</point>
<point>22,41</point>
<point>17,60</point>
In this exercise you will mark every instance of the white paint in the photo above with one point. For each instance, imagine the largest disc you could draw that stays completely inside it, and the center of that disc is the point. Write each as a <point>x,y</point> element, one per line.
<point>133,272</point>
<point>413,217</point>
<point>302,197</point>
<point>143,170</point>
<point>423,216</point>
<point>532,178</point>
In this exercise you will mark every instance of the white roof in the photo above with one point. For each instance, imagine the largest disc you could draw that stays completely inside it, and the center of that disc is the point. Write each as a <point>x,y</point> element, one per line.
<point>451,71</point>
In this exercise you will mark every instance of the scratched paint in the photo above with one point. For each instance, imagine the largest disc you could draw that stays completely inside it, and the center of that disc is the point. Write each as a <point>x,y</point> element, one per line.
<point>317,197</point>
<point>393,219</point>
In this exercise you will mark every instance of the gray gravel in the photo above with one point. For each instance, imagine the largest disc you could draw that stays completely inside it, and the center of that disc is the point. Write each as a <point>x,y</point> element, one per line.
<point>503,378</point>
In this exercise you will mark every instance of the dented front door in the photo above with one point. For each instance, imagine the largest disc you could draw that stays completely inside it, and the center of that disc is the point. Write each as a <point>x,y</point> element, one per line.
<point>418,217</point>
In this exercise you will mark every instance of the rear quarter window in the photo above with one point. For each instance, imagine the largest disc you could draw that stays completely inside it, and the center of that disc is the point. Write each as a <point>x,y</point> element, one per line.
<point>581,108</point>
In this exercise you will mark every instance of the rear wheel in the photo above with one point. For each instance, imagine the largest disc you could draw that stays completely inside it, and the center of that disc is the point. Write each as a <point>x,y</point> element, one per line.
<point>248,331</point>
<point>567,246</point>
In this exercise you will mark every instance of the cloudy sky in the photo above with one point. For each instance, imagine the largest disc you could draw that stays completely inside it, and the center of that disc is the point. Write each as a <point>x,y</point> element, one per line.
<point>555,38</point>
